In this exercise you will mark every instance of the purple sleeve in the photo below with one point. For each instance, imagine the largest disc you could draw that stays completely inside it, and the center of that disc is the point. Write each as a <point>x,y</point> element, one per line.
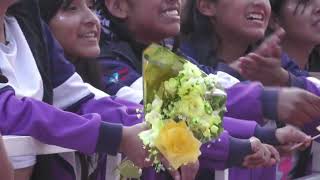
<point>250,101</point>
<point>245,129</point>
<point>50,125</point>
<point>224,152</point>
<point>303,83</point>
<point>114,110</point>
<point>239,128</point>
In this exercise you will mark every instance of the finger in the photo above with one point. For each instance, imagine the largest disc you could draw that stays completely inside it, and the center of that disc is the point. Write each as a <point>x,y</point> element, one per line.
<point>274,153</point>
<point>291,134</point>
<point>306,144</point>
<point>271,162</point>
<point>277,36</point>
<point>251,162</point>
<point>299,136</point>
<point>144,126</point>
<point>260,60</point>
<point>277,50</point>
<point>256,157</point>
<point>285,150</point>
<point>175,174</point>
<point>248,63</point>
<point>280,32</point>
<point>273,39</point>
<point>254,164</point>
<point>299,118</point>
<point>314,105</point>
<point>267,154</point>
<point>189,172</point>
<point>263,48</point>
<point>165,162</point>
<point>249,69</point>
<point>265,62</point>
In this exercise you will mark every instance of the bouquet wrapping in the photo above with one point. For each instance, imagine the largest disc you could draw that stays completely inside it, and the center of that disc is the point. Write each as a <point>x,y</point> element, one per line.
<point>183,106</point>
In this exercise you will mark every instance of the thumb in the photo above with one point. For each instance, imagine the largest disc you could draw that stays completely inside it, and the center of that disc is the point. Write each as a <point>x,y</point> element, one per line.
<point>276,52</point>
<point>294,135</point>
<point>280,32</point>
<point>144,126</point>
<point>175,174</point>
<point>274,39</point>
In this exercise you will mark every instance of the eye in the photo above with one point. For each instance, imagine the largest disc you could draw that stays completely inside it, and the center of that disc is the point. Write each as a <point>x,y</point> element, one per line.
<point>302,4</point>
<point>71,7</point>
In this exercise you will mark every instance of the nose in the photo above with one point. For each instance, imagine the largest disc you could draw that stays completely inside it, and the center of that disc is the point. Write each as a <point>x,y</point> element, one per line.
<point>175,1</point>
<point>316,6</point>
<point>317,11</point>
<point>261,2</point>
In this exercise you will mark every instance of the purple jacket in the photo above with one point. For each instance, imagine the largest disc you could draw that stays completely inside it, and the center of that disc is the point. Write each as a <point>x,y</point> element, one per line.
<point>120,75</point>
<point>87,131</point>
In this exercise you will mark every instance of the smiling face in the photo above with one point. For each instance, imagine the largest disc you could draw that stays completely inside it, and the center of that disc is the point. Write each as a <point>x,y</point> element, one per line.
<point>245,19</point>
<point>154,20</point>
<point>301,21</point>
<point>77,29</point>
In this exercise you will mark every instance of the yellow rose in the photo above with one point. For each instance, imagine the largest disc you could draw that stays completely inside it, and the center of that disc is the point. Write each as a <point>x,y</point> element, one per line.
<point>177,144</point>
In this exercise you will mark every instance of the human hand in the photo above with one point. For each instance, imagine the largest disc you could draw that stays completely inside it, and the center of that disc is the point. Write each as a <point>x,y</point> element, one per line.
<point>264,155</point>
<point>298,107</point>
<point>267,70</point>
<point>289,136</point>
<point>185,172</point>
<point>264,64</point>
<point>189,171</point>
<point>132,147</point>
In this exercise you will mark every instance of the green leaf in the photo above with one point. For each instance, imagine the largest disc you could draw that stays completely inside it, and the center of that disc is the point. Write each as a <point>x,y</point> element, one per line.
<point>128,170</point>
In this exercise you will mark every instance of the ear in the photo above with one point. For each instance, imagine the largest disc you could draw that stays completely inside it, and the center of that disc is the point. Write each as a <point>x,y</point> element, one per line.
<point>118,8</point>
<point>274,22</point>
<point>206,7</point>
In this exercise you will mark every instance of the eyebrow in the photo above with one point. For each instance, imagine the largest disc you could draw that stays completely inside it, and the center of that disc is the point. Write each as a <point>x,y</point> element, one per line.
<point>301,3</point>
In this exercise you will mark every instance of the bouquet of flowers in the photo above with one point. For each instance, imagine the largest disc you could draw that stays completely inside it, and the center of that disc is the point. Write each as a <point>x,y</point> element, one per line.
<point>183,106</point>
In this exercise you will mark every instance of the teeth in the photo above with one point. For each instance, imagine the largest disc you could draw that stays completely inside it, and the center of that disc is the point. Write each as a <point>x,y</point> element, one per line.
<point>254,16</point>
<point>89,35</point>
<point>172,13</point>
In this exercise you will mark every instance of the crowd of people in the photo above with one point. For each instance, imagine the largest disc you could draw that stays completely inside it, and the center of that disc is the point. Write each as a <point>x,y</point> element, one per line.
<point>71,76</point>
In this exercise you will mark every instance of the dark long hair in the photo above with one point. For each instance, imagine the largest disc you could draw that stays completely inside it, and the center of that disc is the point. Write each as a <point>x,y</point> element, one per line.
<point>197,28</point>
<point>314,60</point>
<point>87,68</point>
